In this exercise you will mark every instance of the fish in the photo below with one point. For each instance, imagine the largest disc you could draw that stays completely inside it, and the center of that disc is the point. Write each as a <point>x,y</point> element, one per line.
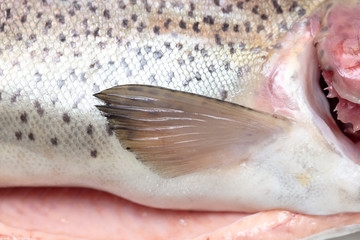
<point>212,106</point>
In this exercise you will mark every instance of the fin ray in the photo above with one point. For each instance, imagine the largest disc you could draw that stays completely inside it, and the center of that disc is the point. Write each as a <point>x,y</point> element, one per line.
<point>177,133</point>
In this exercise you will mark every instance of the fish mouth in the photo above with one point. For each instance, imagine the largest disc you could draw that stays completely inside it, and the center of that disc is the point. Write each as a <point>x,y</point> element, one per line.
<point>337,44</point>
<point>346,128</point>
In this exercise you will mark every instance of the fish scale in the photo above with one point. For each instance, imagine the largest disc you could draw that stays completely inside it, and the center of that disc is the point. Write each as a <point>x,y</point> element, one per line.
<point>56,54</point>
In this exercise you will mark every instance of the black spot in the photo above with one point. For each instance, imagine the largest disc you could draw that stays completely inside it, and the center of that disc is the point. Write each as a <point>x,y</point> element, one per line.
<point>66,118</point>
<point>18,37</point>
<point>158,54</point>
<point>236,28</point>
<point>133,2</point>
<point>264,17</point>
<point>217,2</point>
<point>179,46</point>
<point>96,32</point>
<point>147,49</point>
<point>85,22</point>
<point>247,27</point>
<point>301,12</point>
<point>18,135</point>
<point>60,18</point>
<point>181,62</point>
<point>277,7</point>
<point>157,30</point>
<point>93,153</point>
<point>54,141</point>
<point>255,9</point>
<point>71,12</point>
<point>227,9</point>
<point>198,76</point>
<point>23,117</point>
<point>39,109</point>
<point>161,8</point>
<point>168,45</point>
<point>76,5</point>
<point>14,97</point>
<point>196,27</point>
<point>239,72</point>
<point>134,17</point>
<point>211,68</point>
<point>48,24</point>
<point>191,58</point>
<point>121,4</point>
<point>91,7</point>
<point>209,20</point>
<point>167,23</point>
<point>227,66</point>
<point>23,19</point>
<point>223,94</point>
<point>125,23</point>
<point>240,5</point>
<point>147,7</point>
<point>96,63</point>
<point>225,27</point>
<point>62,37</point>
<point>2,27</point>
<point>106,14</point>
<point>31,136</point>
<point>218,39</point>
<point>259,28</point>
<point>109,32</point>
<point>8,13</point>
<point>0,96</point>
<point>293,6</point>
<point>90,130</point>
<point>141,27</point>
<point>182,24</point>
<point>186,82</point>
<point>192,8</point>
<point>32,37</point>
<point>197,47</point>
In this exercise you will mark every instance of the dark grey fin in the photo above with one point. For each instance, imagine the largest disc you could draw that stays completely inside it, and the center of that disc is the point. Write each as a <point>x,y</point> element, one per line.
<point>177,133</point>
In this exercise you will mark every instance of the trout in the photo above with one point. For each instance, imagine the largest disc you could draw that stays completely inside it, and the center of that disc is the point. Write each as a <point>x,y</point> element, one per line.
<point>185,105</point>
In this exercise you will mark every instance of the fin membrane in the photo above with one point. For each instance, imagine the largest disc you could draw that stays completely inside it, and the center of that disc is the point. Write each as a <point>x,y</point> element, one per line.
<point>177,133</point>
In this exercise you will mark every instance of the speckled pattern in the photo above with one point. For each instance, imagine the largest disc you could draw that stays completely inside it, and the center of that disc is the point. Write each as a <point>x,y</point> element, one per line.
<point>54,55</point>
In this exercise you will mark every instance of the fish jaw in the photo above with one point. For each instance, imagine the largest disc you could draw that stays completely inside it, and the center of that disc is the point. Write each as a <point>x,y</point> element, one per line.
<point>338,46</point>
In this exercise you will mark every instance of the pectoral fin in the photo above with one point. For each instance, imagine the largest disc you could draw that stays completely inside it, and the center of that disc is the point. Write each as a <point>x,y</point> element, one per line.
<point>177,133</point>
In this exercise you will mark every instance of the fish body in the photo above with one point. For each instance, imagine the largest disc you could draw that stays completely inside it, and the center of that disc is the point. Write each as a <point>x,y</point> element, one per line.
<point>55,55</point>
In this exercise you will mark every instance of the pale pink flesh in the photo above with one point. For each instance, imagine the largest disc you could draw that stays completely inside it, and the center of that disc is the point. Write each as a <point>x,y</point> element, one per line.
<point>73,213</point>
